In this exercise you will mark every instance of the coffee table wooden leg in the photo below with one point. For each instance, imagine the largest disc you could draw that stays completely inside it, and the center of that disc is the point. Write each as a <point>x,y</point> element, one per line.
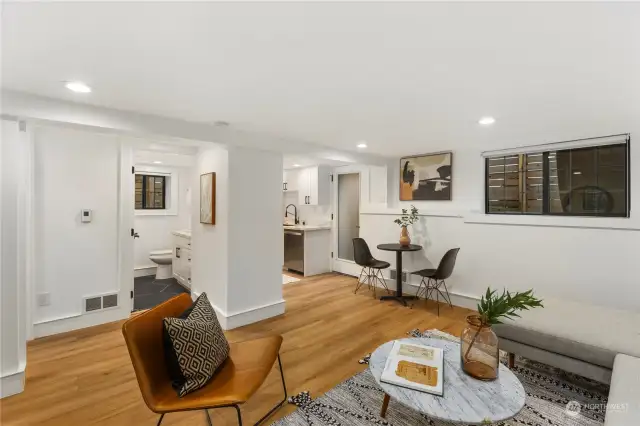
<point>385,404</point>
<point>512,360</point>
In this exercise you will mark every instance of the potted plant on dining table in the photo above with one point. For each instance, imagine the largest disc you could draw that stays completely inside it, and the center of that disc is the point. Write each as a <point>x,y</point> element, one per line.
<point>407,218</point>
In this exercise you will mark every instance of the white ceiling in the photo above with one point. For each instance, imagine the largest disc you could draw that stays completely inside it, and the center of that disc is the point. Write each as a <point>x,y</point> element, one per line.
<point>405,77</point>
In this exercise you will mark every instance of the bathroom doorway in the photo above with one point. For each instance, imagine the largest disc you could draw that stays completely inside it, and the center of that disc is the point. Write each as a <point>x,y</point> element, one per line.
<point>161,180</point>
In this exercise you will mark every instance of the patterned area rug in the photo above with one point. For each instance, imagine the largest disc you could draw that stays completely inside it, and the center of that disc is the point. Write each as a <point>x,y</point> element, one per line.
<point>554,398</point>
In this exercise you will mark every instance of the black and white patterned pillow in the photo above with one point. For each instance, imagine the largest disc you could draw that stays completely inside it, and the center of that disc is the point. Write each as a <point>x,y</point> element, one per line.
<point>198,345</point>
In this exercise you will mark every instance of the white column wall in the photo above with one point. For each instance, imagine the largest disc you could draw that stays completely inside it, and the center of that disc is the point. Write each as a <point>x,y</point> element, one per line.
<point>209,244</point>
<point>238,261</point>
<point>13,315</point>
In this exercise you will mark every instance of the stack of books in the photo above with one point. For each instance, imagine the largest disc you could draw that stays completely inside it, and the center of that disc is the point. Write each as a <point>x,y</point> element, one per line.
<point>416,367</point>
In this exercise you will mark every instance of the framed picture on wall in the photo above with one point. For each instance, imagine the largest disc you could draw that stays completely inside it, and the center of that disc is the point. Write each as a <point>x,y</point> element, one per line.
<point>208,198</point>
<point>426,177</point>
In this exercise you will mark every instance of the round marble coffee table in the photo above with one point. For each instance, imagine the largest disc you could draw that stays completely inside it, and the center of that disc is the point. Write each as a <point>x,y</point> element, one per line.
<point>465,399</point>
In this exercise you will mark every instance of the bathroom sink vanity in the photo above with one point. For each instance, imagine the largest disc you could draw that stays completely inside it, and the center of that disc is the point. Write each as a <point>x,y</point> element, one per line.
<point>182,257</point>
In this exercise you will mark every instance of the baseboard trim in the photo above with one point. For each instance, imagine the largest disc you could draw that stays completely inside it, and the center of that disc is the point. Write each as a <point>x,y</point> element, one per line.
<point>229,321</point>
<point>144,271</point>
<point>12,384</point>
<point>78,321</point>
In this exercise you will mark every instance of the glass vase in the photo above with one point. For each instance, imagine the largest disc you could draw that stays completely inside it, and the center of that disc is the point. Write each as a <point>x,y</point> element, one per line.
<point>479,355</point>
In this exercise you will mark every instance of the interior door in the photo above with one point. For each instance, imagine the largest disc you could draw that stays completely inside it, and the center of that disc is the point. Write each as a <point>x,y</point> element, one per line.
<point>347,221</point>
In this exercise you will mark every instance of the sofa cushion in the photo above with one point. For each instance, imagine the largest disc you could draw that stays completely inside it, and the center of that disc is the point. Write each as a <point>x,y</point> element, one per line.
<point>199,345</point>
<point>586,332</point>
<point>623,407</point>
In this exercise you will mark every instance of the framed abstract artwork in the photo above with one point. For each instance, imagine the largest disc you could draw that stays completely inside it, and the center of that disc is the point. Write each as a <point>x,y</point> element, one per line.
<point>208,198</point>
<point>426,177</point>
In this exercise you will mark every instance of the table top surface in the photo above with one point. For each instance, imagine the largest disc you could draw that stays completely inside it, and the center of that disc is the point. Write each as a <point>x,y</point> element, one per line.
<point>398,247</point>
<point>465,399</point>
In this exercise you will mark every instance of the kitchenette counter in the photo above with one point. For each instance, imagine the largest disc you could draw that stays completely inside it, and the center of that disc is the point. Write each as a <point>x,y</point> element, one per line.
<point>306,227</point>
<point>307,249</point>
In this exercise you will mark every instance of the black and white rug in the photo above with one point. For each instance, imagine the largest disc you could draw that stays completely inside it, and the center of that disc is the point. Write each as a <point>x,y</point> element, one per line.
<point>554,398</point>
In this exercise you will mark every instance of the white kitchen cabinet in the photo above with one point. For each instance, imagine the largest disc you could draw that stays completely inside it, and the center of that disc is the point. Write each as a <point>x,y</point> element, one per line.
<point>289,180</point>
<point>313,185</point>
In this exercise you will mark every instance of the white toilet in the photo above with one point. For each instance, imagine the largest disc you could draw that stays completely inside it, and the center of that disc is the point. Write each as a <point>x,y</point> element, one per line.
<point>162,258</point>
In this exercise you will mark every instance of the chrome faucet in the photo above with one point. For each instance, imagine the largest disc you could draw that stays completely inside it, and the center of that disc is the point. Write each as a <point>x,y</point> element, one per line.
<point>295,212</point>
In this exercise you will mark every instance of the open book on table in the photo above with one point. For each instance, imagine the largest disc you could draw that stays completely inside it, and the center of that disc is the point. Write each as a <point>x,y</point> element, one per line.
<point>416,367</point>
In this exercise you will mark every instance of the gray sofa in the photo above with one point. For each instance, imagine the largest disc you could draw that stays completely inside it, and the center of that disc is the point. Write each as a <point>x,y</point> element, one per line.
<point>599,343</point>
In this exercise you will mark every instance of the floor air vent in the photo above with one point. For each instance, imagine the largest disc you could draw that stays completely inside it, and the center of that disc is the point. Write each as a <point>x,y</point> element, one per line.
<point>92,304</point>
<point>99,303</point>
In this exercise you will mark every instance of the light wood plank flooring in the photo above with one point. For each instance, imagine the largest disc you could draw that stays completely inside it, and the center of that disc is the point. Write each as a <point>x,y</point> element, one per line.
<point>85,377</point>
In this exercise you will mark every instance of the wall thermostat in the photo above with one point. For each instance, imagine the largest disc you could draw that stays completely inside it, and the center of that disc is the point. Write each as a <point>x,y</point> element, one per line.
<point>85,215</point>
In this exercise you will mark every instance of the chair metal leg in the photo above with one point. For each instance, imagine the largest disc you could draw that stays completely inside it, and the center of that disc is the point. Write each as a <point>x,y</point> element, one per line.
<point>372,281</point>
<point>206,413</point>
<point>240,415</point>
<point>448,297</point>
<point>280,404</point>
<point>160,419</point>
<point>380,277</point>
<point>360,282</point>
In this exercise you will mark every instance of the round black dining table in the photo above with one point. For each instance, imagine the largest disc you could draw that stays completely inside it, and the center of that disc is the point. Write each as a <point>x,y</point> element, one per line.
<point>399,249</point>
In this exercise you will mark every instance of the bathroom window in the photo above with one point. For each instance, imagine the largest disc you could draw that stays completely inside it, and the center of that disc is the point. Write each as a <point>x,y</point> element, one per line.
<point>150,192</point>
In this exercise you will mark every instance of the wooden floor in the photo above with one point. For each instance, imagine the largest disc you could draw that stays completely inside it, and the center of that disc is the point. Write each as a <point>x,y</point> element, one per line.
<point>85,377</point>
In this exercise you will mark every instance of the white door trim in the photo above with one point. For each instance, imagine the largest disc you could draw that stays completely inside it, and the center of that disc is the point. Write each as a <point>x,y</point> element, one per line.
<point>125,224</point>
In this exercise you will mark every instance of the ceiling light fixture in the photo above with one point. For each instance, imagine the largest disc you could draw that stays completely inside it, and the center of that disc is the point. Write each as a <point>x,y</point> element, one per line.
<point>296,165</point>
<point>487,121</point>
<point>157,162</point>
<point>362,145</point>
<point>577,172</point>
<point>77,86</point>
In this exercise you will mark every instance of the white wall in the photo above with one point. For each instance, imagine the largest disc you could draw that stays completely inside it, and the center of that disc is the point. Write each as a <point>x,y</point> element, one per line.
<point>155,228</point>
<point>238,261</point>
<point>13,280</point>
<point>76,170</point>
<point>256,243</point>
<point>587,259</point>
<point>209,253</point>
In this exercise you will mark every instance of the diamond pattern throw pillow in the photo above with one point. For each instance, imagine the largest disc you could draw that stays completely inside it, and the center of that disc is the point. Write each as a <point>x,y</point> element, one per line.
<point>198,343</point>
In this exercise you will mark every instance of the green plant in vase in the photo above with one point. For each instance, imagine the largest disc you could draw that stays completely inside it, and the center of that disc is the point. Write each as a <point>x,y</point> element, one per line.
<point>478,342</point>
<point>407,218</point>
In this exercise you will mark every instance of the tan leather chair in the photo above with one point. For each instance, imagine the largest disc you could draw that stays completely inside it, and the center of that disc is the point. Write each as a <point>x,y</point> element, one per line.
<point>238,378</point>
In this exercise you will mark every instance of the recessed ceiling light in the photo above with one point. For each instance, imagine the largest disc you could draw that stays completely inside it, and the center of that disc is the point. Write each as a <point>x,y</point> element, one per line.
<point>296,165</point>
<point>78,87</point>
<point>487,121</point>
<point>157,162</point>
<point>577,172</point>
<point>362,145</point>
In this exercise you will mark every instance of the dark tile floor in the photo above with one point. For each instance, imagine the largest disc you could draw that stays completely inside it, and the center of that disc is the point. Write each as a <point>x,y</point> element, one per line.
<point>149,292</point>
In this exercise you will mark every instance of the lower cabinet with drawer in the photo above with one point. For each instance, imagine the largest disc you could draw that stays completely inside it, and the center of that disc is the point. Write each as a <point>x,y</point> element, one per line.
<point>182,261</point>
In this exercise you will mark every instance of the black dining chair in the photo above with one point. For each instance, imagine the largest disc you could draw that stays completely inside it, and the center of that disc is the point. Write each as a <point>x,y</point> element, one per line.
<point>434,279</point>
<point>371,267</point>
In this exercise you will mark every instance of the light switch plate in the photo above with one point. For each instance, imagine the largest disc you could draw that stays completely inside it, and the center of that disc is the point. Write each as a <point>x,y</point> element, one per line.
<point>44,299</point>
